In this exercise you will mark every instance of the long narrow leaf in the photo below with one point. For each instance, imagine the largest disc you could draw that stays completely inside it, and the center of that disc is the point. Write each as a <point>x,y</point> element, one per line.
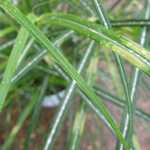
<point>136,74</point>
<point>81,114</point>
<point>12,64</point>
<point>120,65</point>
<point>66,103</point>
<point>121,45</point>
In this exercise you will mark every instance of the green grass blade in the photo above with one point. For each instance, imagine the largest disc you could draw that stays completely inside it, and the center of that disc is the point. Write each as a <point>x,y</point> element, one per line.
<point>80,117</point>
<point>102,18</point>
<point>12,65</point>
<point>101,13</point>
<point>130,23</point>
<point>125,121</point>
<point>120,65</point>
<point>126,48</point>
<point>128,102</point>
<point>66,103</point>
